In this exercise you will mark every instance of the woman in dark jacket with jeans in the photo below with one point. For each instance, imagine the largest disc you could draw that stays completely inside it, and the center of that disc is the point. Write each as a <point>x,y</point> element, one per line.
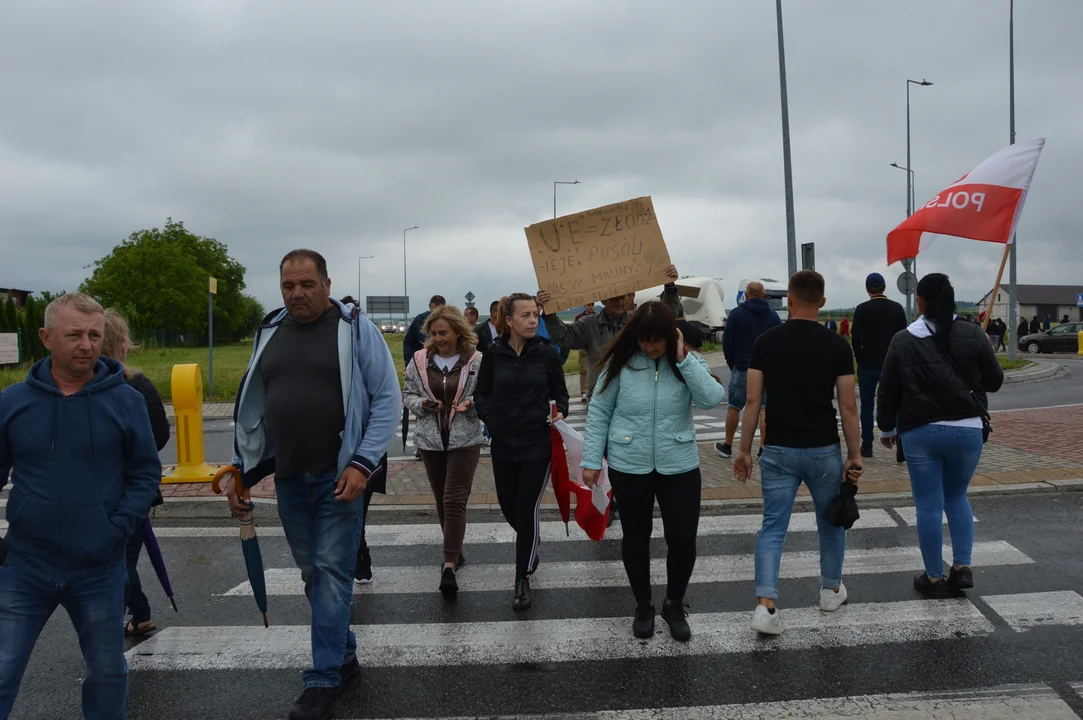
<point>933,394</point>
<point>116,344</point>
<point>520,375</point>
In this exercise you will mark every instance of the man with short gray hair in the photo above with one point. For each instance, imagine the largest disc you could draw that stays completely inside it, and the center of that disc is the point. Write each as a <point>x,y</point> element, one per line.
<point>78,443</point>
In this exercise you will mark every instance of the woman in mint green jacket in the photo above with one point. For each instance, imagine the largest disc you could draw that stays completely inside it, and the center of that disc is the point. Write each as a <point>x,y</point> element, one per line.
<point>640,421</point>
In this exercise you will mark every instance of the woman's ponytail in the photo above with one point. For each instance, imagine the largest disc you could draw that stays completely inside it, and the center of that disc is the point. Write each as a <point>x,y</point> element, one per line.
<point>939,296</point>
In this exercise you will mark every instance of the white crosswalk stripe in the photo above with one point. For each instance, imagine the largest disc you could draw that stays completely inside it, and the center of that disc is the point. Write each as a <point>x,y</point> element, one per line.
<point>601,573</point>
<point>551,531</point>
<point>1023,702</point>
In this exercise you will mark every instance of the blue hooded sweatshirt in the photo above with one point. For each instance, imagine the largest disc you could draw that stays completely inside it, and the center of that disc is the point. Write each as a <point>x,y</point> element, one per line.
<point>84,469</point>
<point>745,323</point>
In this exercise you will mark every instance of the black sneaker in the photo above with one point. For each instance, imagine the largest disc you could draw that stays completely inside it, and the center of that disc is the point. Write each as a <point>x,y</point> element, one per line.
<point>723,450</point>
<point>449,586</point>
<point>961,579</point>
<point>348,672</point>
<point>643,624</point>
<point>314,704</point>
<point>932,590</point>
<point>675,614</point>
<point>363,571</point>
<point>866,452</point>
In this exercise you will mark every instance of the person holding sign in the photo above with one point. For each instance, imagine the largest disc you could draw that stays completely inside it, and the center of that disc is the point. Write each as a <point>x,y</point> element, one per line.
<point>520,377</point>
<point>592,333</point>
<point>641,421</point>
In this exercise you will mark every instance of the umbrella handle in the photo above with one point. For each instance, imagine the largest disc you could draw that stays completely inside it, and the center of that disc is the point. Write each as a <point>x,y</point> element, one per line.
<point>238,483</point>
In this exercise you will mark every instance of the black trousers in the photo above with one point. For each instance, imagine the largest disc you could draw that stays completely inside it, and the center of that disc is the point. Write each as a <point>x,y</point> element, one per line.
<point>678,499</point>
<point>519,488</point>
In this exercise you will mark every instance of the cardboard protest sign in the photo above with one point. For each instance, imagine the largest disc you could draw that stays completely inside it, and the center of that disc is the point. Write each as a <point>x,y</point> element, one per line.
<point>598,254</point>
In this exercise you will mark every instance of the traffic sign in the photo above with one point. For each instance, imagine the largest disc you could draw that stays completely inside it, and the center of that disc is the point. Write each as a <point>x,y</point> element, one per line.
<point>1079,299</point>
<point>470,296</point>
<point>908,283</point>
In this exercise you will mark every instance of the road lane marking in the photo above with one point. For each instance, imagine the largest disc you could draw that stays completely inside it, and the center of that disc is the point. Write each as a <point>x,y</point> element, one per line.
<point>1030,610</point>
<point>1014,702</point>
<point>551,531</point>
<point>604,573</point>
<point>909,516</point>
<point>560,640</point>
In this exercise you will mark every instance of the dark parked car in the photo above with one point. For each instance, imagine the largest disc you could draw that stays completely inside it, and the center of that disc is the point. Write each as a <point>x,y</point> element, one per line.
<point>1062,338</point>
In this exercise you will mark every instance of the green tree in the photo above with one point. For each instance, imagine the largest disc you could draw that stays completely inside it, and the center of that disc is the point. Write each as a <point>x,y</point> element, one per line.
<point>159,279</point>
<point>253,315</point>
<point>9,315</point>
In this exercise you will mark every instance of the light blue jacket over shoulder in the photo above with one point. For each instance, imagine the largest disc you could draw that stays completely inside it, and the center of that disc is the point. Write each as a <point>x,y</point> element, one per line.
<point>643,420</point>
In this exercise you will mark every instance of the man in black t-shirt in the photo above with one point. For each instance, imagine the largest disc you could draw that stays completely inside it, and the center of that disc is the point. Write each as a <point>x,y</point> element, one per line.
<point>801,365</point>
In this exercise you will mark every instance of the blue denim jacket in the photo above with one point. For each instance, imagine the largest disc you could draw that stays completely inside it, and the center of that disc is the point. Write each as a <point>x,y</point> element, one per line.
<point>370,396</point>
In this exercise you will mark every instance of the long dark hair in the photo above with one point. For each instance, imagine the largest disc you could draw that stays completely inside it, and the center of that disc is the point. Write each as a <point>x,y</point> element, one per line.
<point>652,321</point>
<point>939,296</point>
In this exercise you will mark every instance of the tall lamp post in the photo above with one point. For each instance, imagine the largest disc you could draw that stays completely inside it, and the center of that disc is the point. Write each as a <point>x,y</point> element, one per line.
<point>363,257</point>
<point>909,264</point>
<point>405,292</point>
<point>913,204</point>
<point>1013,318</point>
<point>560,182</point>
<point>787,168</point>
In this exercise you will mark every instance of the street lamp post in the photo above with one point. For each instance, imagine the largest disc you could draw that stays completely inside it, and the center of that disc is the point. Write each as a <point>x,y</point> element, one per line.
<point>405,292</point>
<point>909,263</point>
<point>560,182</point>
<point>359,259</point>
<point>787,168</point>
<point>1013,319</point>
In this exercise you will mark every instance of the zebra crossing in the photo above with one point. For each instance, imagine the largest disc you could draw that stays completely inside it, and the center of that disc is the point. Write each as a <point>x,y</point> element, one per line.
<point>573,655</point>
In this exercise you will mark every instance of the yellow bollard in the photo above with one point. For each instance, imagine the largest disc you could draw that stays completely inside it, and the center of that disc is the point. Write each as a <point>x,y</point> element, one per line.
<point>1079,339</point>
<point>187,383</point>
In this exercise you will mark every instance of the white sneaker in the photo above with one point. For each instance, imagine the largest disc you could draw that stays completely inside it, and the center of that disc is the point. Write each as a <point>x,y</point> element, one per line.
<point>830,601</point>
<point>767,622</point>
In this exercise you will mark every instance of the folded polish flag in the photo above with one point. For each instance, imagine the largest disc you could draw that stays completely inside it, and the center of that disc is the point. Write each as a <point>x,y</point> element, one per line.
<point>591,504</point>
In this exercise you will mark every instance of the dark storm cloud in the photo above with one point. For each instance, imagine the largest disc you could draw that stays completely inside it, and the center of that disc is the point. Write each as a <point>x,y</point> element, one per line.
<point>335,125</point>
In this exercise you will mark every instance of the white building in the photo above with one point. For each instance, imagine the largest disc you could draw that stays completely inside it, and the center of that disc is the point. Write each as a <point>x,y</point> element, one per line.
<point>1041,300</point>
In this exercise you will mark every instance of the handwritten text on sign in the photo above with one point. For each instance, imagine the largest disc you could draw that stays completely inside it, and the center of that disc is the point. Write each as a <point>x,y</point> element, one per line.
<point>598,254</point>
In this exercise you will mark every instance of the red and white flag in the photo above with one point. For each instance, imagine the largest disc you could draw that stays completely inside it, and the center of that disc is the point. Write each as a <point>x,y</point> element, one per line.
<point>985,204</point>
<point>591,504</point>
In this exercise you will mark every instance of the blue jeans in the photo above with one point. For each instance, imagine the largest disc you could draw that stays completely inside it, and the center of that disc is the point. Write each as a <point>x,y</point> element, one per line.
<point>323,535</point>
<point>737,392</point>
<point>941,460</point>
<point>96,608</point>
<point>867,380</point>
<point>782,471</point>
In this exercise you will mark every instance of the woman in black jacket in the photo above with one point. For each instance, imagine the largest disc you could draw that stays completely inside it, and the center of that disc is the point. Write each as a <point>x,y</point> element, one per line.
<point>520,375</point>
<point>116,344</point>
<point>933,393</point>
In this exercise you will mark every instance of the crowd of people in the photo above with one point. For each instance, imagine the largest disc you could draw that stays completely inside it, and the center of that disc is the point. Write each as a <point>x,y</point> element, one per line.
<point>320,403</point>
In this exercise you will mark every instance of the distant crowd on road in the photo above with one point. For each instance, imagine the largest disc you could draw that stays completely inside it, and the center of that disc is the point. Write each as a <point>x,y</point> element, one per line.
<point>321,403</point>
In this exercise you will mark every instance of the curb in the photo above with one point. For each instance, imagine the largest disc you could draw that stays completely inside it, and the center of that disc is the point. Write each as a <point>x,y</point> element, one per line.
<point>1038,371</point>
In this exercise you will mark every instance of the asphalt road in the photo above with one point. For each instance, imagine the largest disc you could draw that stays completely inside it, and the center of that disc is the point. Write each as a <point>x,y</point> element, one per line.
<point>1066,389</point>
<point>1014,645</point>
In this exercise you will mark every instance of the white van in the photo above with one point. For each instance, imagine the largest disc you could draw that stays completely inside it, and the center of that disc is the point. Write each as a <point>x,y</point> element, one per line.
<point>776,295</point>
<point>708,311</point>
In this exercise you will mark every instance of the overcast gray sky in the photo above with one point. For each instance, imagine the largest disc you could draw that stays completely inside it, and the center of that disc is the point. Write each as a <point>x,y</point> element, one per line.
<point>334,125</point>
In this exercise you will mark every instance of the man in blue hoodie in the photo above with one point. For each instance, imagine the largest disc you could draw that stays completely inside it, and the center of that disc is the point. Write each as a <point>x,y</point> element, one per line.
<point>318,408</point>
<point>745,323</point>
<point>78,443</point>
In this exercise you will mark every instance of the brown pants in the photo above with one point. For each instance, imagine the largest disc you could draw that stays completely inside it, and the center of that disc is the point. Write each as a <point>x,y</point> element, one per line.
<point>451,477</point>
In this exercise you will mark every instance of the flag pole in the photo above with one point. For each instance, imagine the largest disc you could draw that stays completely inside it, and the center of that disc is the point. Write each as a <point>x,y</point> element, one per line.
<point>996,288</point>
